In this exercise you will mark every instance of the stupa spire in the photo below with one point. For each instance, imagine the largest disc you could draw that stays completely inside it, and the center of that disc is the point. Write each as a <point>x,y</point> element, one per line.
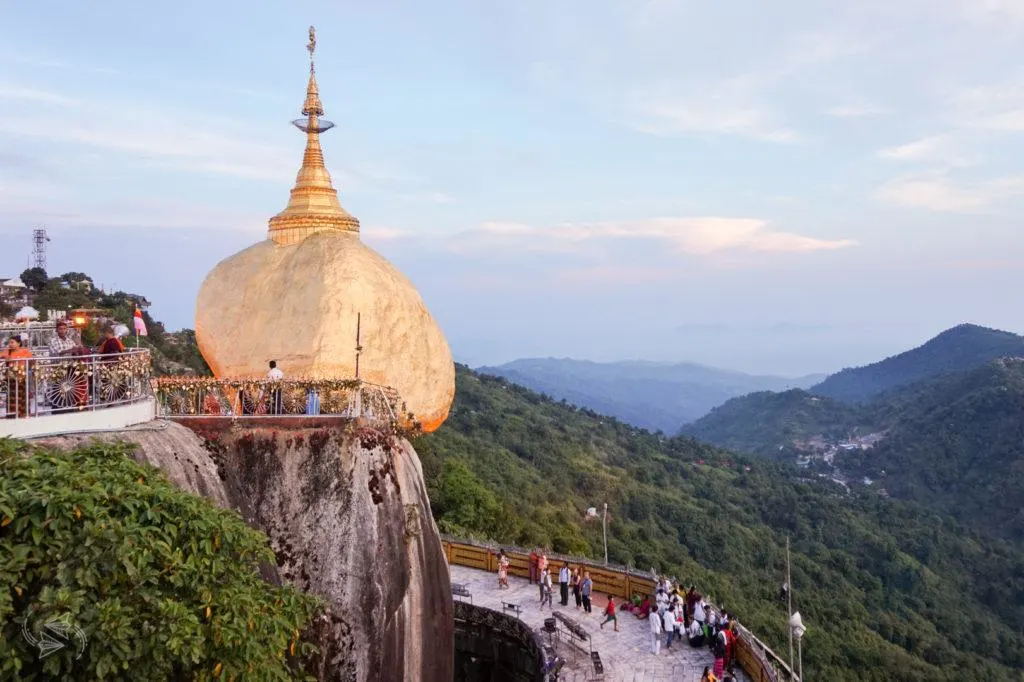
<point>313,206</point>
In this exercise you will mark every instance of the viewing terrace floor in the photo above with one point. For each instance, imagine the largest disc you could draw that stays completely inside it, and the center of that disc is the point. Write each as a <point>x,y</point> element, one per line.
<point>626,654</point>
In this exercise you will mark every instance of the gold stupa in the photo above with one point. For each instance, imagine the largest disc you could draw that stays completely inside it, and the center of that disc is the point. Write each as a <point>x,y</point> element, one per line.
<point>296,296</point>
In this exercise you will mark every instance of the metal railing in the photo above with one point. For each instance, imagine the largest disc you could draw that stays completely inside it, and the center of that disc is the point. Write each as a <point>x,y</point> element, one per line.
<point>254,398</point>
<point>34,335</point>
<point>36,387</point>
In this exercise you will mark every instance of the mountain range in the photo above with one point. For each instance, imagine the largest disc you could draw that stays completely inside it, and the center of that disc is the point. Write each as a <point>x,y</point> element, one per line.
<point>941,425</point>
<point>891,590</point>
<point>652,395</point>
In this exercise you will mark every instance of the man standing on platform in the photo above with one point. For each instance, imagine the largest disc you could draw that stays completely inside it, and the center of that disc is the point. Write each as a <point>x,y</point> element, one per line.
<point>563,583</point>
<point>534,558</point>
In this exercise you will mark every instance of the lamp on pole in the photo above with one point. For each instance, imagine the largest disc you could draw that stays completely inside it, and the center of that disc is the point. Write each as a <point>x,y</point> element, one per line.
<point>789,605</point>
<point>604,525</point>
<point>797,629</point>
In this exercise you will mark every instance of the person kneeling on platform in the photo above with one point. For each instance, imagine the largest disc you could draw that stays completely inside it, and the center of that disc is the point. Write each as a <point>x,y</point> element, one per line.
<point>695,633</point>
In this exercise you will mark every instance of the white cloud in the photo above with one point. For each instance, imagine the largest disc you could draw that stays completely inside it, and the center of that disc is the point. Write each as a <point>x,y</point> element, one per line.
<point>994,108</point>
<point>925,148</point>
<point>937,192</point>
<point>699,236</point>
<point>861,110</point>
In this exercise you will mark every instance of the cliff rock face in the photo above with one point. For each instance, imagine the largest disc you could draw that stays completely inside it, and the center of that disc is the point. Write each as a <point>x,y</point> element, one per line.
<point>347,513</point>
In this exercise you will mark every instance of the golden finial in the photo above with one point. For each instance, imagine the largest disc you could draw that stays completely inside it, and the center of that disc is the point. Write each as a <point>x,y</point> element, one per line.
<point>313,206</point>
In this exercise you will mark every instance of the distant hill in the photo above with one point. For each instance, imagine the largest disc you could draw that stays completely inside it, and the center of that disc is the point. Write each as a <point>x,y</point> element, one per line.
<point>767,423</point>
<point>892,591</point>
<point>652,395</point>
<point>961,348</point>
<point>954,443</point>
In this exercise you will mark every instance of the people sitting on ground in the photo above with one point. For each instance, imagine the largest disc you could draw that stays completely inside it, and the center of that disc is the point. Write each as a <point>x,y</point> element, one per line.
<point>644,610</point>
<point>695,633</point>
<point>609,613</point>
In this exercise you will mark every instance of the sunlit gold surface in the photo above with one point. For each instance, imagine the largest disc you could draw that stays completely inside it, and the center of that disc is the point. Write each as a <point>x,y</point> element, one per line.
<point>294,298</point>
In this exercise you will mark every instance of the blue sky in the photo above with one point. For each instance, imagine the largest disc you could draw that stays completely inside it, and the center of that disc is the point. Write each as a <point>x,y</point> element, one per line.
<point>781,187</point>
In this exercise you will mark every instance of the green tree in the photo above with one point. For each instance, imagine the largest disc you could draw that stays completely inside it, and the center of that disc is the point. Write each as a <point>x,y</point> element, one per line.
<point>164,585</point>
<point>34,278</point>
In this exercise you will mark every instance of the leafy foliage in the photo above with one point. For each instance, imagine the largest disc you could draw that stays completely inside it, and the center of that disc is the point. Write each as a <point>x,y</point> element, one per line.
<point>164,584</point>
<point>961,348</point>
<point>889,590</point>
<point>34,279</point>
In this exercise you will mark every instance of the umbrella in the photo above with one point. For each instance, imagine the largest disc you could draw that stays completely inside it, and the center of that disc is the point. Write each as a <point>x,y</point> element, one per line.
<point>25,314</point>
<point>120,330</point>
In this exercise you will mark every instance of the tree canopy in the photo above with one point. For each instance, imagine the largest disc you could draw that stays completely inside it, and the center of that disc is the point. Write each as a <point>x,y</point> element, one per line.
<point>163,584</point>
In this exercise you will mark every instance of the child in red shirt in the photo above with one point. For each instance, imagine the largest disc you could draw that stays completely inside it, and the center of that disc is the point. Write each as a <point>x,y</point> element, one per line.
<point>609,613</point>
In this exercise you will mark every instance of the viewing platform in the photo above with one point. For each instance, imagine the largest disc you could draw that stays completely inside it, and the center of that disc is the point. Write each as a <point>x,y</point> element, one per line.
<point>74,393</point>
<point>182,398</point>
<point>624,655</point>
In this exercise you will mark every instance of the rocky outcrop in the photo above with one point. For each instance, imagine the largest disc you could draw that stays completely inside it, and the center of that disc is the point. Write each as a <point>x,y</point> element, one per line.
<point>348,517</point>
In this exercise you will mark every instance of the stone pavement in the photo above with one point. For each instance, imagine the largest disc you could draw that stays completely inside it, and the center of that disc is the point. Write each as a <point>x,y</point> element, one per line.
<point>626,654</point>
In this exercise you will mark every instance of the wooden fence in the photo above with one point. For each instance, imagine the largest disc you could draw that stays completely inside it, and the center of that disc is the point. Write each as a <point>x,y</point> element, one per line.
<point>759,662</point>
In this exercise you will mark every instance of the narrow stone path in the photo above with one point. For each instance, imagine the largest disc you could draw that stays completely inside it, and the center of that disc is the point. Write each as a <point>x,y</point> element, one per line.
<point>626,654</point>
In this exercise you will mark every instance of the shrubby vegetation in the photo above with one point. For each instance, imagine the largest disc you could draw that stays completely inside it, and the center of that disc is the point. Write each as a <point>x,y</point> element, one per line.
<point>164,585</point>
<point>889,590</point>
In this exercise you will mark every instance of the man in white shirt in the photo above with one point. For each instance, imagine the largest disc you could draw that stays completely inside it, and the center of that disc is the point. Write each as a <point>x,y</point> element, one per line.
<point>668,621</point>
<point>61,342</point>
<point>656,628</point>
<point>275,374</point>
<point>563,583</point>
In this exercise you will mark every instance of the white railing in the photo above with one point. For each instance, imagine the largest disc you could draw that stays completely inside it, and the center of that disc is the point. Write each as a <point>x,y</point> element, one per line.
<point>40,386</point>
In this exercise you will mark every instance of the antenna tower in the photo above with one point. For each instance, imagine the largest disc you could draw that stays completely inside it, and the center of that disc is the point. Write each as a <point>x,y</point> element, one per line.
<point>39,240</point>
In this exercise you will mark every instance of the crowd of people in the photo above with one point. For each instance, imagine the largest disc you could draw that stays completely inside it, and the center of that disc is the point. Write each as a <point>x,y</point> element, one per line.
<point>674,613</point>
<point>16,362</point>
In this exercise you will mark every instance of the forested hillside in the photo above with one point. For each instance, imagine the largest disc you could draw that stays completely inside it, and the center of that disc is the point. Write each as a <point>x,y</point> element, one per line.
<point>954,443</point>
<point>961,348</point>
<point>890,591</point>
<point>768,424</point>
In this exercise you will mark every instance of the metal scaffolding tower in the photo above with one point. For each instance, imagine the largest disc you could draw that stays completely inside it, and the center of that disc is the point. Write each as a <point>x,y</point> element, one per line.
<point>39,240</point>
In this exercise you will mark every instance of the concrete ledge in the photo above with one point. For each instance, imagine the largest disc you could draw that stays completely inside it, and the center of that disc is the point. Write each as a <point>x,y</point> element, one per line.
<point>103,419</point>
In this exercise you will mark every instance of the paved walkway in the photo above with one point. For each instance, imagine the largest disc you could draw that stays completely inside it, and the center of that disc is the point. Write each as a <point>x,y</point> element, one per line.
<point>626,654</point>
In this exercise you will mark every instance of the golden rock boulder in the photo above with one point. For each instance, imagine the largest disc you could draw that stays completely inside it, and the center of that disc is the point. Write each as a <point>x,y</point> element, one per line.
<point>295,298</point>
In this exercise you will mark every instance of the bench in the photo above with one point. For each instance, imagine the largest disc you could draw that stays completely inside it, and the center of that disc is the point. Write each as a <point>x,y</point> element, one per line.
<point>509,606</point>
<point>460,590</point>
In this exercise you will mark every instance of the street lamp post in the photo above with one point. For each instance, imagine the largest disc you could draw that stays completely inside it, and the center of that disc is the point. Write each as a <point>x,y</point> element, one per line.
<point>604,525</point>
<point>797,629</point>
<point>789,605</point>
